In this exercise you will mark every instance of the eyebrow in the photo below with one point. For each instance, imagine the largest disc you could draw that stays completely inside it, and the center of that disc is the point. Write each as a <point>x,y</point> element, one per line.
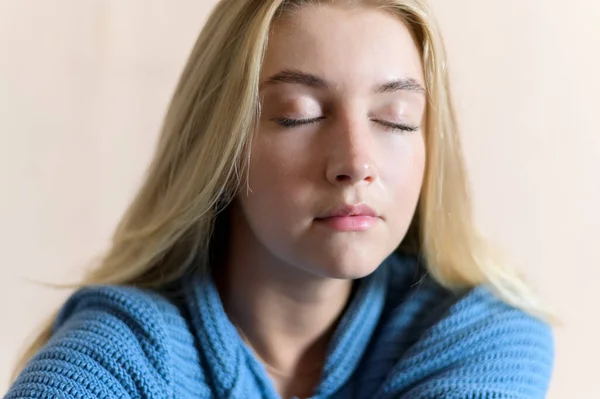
<point>292,76</point>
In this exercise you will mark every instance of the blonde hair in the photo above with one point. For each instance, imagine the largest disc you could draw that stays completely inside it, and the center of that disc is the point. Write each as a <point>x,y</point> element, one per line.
<point>204,150</point>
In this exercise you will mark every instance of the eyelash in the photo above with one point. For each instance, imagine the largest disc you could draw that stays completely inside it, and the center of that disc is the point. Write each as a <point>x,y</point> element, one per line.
<point>291,123</point>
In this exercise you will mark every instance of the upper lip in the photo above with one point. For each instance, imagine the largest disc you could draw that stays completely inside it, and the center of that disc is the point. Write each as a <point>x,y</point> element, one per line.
<point>350,210</point>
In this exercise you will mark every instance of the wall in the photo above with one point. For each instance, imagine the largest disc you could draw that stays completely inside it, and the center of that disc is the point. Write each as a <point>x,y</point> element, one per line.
<point>84,85</point>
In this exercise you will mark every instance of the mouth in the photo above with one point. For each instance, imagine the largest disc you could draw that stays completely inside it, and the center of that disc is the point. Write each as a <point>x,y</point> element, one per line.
<point>350,218</point>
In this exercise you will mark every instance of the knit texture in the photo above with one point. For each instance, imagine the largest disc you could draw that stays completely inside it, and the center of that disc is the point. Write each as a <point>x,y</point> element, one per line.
<point>402,336</point>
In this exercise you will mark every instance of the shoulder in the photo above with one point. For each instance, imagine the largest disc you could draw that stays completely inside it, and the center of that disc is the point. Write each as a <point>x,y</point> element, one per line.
<point>486,329</point>
<point>107,341</point>
<point>141,310</point>
<point>467,345</point>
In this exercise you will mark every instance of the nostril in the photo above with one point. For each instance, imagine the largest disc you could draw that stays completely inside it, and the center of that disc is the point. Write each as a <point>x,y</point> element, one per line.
<point>350,173</point>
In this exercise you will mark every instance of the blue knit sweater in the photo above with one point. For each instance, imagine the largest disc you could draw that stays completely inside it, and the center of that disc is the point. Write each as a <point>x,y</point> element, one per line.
<point>402,336</point>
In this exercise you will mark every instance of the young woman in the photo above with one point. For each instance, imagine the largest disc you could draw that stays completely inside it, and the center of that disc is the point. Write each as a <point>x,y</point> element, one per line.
<point>304,231</point>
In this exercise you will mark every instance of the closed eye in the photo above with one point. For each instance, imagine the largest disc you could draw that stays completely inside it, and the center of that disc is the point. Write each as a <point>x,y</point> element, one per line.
<point>291,123</point>
<point>397,126</point>
<point>287,122</point>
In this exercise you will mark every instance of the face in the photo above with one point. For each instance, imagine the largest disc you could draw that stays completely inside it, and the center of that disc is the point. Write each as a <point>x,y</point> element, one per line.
<point>338,159</point>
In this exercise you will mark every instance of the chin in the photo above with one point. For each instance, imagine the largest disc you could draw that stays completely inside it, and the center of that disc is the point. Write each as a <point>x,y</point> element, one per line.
<point>346,257</point>
<point>348,266</point>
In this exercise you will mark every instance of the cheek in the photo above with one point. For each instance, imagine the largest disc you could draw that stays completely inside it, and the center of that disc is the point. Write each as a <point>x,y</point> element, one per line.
<point>277,161</point>
<point>404,161</point>
<point>278,177</point>
<point>403,174</point>
<point>276,169</point>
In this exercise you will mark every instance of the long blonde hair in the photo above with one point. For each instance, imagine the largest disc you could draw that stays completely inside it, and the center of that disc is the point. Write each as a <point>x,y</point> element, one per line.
<point>204,147</point>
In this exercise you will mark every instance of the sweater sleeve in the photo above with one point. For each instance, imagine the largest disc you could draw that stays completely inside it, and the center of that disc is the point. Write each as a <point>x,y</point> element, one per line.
<point>481,349</point>
<point>107,342</point>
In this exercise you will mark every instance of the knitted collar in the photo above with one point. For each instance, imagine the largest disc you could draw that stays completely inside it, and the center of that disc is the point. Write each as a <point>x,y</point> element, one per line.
<point>229,361</point>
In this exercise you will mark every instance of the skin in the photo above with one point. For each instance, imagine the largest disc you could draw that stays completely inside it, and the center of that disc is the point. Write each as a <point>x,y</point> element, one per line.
<point>289,275</point>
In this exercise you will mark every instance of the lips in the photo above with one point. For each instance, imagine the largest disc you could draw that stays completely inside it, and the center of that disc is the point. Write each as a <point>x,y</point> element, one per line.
<point>350,218</point>
<point>350,210</point>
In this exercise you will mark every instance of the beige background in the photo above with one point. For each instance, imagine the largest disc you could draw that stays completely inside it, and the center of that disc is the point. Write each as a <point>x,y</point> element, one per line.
<point>84,85</point>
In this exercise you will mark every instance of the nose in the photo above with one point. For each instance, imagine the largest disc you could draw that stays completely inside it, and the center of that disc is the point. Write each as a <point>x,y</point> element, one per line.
<point>352,158</point>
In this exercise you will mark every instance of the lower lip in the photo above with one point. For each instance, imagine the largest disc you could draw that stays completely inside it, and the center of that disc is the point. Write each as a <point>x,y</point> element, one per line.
<point>349,223</point>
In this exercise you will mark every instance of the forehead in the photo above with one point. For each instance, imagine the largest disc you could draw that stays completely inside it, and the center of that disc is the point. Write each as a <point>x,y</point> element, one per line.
<point>347,46</point>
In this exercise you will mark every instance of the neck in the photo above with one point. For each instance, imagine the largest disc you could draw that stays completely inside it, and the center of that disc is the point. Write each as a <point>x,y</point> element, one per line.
<point>286,314</point>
